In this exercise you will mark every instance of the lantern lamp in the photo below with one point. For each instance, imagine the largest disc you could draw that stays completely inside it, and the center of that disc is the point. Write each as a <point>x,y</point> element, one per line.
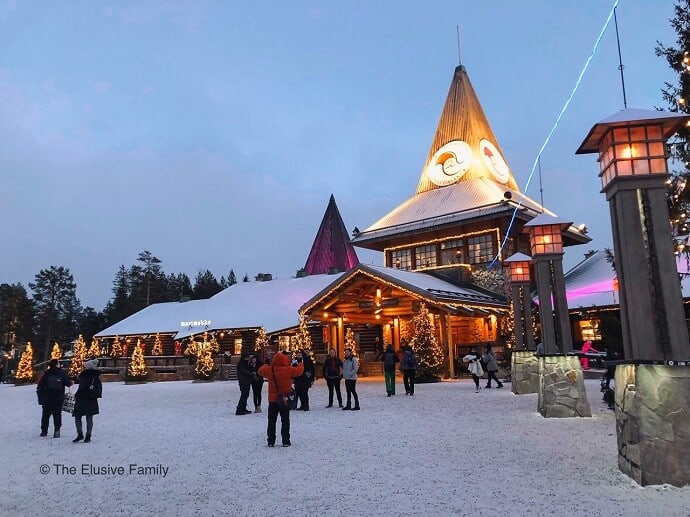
<point>545,234</point>
<point>518,268</point>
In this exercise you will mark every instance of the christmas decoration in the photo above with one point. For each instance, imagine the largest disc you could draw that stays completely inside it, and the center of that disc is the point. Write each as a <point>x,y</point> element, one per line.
<point>203,351</point>
<point>141,343</point>
<point>178,348</point>
<point>78,358</point>
<point>116,350</point>
<point>303,336</point>
<point>136,370</point>
<point>157,346</point>
<point>94,350</point>
<point>350,341</point>
<point>25,369</point>
<point>56,353</point>
<point>423,342</point>
<point>261,340</point>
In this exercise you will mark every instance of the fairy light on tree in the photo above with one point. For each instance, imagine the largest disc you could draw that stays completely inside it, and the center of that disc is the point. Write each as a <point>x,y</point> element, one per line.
<point>116,350</point>
<point>25,369</point>
<point>56,352</point>
<point>261,340</point>
<point>157,345</point>
<point>350,341</point>
<point>423,342</point>
<point>137,366</point>
<point>78,358</point>
<point>303,335</point>
<point>94,350</point>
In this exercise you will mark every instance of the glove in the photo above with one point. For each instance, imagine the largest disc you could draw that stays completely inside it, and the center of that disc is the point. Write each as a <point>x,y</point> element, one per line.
<point>294,362</point>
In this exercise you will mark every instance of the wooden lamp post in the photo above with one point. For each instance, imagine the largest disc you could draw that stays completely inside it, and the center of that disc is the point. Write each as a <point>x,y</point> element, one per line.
<point>517,266</point>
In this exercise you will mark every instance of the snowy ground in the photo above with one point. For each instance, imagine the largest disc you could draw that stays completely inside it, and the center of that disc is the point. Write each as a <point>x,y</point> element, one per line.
<point>445,451</point>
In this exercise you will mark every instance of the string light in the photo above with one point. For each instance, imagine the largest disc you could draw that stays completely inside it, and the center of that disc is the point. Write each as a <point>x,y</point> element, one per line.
<point>137,366</point>
<point>56,353</point>
<point>25,368</point>
<point>78,358</point>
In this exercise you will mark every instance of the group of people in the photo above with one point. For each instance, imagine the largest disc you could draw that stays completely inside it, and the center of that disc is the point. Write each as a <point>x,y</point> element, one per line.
<point>51,397</point>
<point>477,363</point>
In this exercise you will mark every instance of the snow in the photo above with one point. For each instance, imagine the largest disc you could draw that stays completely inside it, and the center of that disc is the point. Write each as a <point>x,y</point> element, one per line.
<point>445,451</point>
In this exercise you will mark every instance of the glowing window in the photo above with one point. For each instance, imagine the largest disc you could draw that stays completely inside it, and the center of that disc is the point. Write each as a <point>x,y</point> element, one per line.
<point>401,259</point>
<point>238,346</point>
<point>425,256</point>
<point>480,248</point>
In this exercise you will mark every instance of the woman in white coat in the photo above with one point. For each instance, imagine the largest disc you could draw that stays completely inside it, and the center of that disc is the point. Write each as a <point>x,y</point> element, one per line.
<point>474,366</point>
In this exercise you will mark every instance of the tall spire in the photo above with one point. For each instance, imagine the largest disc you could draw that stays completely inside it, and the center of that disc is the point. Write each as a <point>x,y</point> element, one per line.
<point>464,146</point>
<point>331,248</point>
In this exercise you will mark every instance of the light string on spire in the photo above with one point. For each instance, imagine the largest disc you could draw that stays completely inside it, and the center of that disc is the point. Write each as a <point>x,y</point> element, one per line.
<point>566,105</point>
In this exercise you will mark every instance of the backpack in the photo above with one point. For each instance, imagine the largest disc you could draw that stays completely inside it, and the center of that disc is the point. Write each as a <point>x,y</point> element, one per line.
<point>389,359</point>
<point>55,382</point>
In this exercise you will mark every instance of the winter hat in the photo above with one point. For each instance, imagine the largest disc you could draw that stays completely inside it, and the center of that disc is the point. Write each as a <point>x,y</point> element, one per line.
<point>91,364</point>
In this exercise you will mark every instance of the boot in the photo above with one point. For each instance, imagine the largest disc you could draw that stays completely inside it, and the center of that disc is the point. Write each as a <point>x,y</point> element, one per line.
<point>56,433</point>
<point>87,438</point>
<point>257,409</point>
<point>356,408</point>
<point>241,411</point>
<point>44,433</point>
<point>79,438</point>
<point>347,408</point>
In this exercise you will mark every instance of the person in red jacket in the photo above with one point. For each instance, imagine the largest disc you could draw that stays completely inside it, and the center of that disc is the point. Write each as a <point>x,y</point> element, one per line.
<point>281,372</point>
<point>587,348</point>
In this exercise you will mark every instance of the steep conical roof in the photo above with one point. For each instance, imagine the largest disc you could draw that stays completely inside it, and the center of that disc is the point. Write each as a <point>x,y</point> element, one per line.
<point>464,146</point>
<point>331,248</point>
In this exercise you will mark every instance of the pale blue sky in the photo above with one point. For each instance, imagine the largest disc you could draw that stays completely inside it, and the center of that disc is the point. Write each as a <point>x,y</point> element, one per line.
<point>213,133</point>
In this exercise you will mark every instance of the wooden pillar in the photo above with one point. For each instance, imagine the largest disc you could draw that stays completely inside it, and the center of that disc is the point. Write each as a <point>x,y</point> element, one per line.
<point>395,332</point>
<point>447,336</point>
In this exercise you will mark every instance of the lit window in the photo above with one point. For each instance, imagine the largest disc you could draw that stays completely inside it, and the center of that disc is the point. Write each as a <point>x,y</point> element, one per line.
<point>401,259</point>
<point>452,252</point>
<point>480,248</point>
<point>238,346</point>
<point>425,256</point>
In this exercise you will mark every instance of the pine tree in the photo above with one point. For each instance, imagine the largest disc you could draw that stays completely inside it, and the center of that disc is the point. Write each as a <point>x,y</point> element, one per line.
<point>25,369</point>
<point>137,366</point>
<point>78,358</point>
<point>429,353</point>
<point>157,345</point>
<point>303,335</point>
<point>116,349</point>
<point>261,340</point>
<point>94,350</point>
<point>677,96</point>
<point>350,341</point>
<point>56,353</point>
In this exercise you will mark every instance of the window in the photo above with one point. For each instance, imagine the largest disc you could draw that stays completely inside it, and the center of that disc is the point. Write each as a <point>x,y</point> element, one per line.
<point>425,256</point>
<point>238,346</point>
<point>590,330</point>
<point>480,248</point>
<point>401,259</point>
<point>452,252</point>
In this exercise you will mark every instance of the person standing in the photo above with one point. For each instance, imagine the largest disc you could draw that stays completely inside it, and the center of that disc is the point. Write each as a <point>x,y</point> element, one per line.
<point>378,347</point>
<point>51,395</point>
<point>409,365</point>
<point>304,381</point>
<point>491,367</point>
<point>587,348</point>
<point>389,359</point>
<point>474,366</point>
<point>244,378</point>
<point>332,372</point>
<point>257,382</point>
<point>350,367</point>
<point>86,399</point>
<point>279,374</point>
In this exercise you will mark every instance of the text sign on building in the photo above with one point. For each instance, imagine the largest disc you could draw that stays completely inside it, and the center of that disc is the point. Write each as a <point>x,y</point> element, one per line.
<point>196,323</point>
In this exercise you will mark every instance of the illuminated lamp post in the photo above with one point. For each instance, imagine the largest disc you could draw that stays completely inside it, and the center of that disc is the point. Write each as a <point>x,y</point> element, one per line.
<point>561,384</point>
<point>653,382</point>
<point>524,364</point>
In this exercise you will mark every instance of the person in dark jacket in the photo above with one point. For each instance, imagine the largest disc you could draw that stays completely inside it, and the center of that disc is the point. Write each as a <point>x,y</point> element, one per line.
<point>409,365</point>
<point>257,382</point>
<point>389,359</point>
<point>332,372</point>
<point>51,395</point>
<point>244,378</point>
<point>86,399</point>
<point>491,367</point>
<point>304,381</point>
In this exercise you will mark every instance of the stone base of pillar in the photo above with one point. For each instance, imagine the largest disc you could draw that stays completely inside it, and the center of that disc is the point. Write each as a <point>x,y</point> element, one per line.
<point>653,423</point>
<point>524,372</point>
<point>562,388</point>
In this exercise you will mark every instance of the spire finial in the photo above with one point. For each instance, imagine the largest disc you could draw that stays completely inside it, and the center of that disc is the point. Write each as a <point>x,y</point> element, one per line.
<point>457,32</point>
<point>620,58</point>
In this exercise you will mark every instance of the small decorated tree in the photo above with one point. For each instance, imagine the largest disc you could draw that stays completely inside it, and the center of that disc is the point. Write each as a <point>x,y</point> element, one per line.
<point>350,341</point>
<point>204,362</point>
<point>56,353</point>
<point>303,335</point>
<point>157,345</point>
<point>429,352</point>
<point>261,340</point>
<point>25,369</point>
<point>94,350</point>
<point>116,349</point>
<point>78,358</point>
<point>136,370</point>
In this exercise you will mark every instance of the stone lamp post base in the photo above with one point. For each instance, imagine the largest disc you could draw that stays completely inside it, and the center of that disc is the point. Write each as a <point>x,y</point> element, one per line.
<point>524,372</point>
<point>562,388</point>
<point>653,423</point>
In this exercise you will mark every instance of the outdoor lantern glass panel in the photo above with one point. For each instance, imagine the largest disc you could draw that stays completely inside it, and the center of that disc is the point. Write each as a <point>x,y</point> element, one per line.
<point>519,271</point>
<point>546,239</point>
<point>632,151</point>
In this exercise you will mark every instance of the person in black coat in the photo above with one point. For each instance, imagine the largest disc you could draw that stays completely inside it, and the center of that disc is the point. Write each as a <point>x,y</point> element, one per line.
<point>244,377</point>
<point>257,382</point>
<point>86,398</point>
<point>51,395</point>
<point>332,372</point>
<point>304,381</point>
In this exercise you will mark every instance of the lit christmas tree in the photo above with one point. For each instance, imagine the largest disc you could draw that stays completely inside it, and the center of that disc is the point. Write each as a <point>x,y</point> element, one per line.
<point>303,336</point>
<point>116,350</point>
<point>136,370</point>
<point>157,346</point>
<point>78,358</point>
<point>261,340</point>
<point>350,341</point>
<point>56,353</point>
<point>204,361</point>
<point>423,342</point>
<point>94,350</point>
<point>25,369</point>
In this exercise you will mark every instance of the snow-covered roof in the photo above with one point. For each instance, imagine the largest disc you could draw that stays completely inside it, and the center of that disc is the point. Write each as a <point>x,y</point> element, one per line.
<point>272,304</point>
